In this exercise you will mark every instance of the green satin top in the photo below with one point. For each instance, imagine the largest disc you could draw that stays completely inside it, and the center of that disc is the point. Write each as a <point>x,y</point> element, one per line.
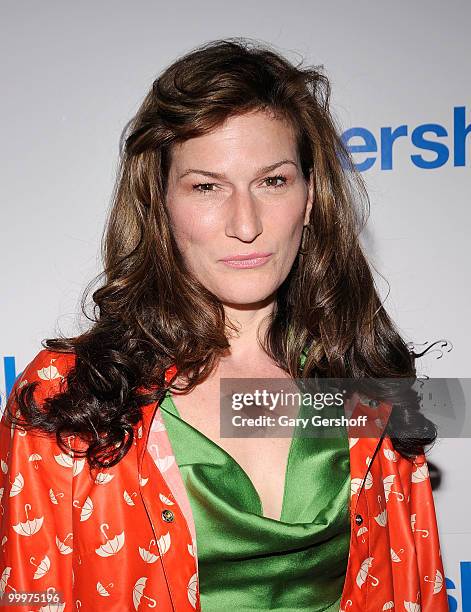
<point>248,562</point>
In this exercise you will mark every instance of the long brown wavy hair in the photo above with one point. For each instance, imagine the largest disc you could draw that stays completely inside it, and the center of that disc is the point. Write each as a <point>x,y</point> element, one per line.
<point>151,313</point>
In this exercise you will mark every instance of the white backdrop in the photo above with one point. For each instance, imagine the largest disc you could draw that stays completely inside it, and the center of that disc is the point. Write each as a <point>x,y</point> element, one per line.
<point>74,73</point>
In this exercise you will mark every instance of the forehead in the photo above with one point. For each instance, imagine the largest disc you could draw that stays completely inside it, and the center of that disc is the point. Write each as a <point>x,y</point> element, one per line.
<point>257,134</point>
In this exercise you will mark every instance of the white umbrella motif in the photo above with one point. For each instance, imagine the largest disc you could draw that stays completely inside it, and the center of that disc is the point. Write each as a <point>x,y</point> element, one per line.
<point>361,531</point>
<point>147,555</point>
<point>62,546</point>
<point>35,457</point>
<point>412,524</point>
<point>420,474</point>
<point>388,605</point>
<point>43,566</point>
<point>391,455</point>
<point>165,462</point>
<point>87,508</point>
<point>138,593</point>
<point>363,573</point>
<point>1,495</point>
<point>4,579</point>
<point>75,464</point>
<point>192,589</point>
<point>17,485</point>
<point>395,557</point>
<point>388,483</point>
<point>64,460</point>
<point>411,606</point>
<point>355,484</point>
<point>351,444</point>
<point>103,478</point>
<point>382,517</point>
<point>50,372</point>
<point>102,590</point>
<point>163,543</point>
<point>348,603</point>
<point>437,583</point>
<point>112,546</point>
<point>28,527</point>
<point>54,496</point>
<point>165,500</point>
<point>4,465</point>
<point>157,424</point>
<point>128,498</point>
<point>142,481</point>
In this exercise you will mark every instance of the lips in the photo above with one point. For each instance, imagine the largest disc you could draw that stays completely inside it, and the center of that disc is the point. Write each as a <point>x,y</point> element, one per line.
<point>245,256</point>
<point>250,260</point>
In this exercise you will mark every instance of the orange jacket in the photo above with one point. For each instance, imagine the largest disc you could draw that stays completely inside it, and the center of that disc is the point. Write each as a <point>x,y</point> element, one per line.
<point>120,541</point>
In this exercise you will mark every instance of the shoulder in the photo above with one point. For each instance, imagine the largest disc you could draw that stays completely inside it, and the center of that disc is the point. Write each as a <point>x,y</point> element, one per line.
<point>23,450</point>
<point>49,369</point>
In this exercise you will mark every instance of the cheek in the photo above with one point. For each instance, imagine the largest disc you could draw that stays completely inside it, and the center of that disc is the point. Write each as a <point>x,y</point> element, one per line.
<point>192,228</point>
<point>286,226</point>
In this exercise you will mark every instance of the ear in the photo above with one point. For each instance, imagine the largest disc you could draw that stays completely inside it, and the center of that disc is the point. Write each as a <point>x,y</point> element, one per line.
<point>310,198</point>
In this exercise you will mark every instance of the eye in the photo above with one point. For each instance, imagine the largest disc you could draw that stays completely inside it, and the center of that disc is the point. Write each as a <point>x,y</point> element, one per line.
<point>276,178</point>
<point>197,185</point>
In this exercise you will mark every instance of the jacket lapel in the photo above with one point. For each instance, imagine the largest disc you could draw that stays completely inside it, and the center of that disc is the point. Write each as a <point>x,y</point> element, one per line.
<point>365,442</point>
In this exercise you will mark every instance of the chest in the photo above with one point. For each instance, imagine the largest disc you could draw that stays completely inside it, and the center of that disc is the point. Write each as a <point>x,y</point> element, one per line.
<point>264,460</point>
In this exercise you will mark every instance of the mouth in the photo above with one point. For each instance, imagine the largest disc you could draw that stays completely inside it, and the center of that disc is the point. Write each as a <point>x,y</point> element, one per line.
<point>252,260</point>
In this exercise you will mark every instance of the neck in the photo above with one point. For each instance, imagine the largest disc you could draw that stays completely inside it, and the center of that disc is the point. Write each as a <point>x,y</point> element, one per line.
<point>251,322</point>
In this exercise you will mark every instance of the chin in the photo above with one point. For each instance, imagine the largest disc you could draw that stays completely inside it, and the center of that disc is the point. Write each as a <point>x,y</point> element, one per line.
<point>242,295</point>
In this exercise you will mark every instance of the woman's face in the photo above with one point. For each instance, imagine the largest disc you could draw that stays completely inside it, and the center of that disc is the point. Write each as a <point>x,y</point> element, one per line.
<point>236,191</point>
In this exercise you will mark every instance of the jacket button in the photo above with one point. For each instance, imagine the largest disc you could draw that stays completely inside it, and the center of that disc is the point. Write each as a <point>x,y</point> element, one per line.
<point>358,519</point>
<point>373,403</point>
<point>167,515</point>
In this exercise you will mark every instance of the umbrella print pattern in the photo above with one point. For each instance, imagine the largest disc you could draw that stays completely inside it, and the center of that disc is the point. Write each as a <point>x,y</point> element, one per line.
<point>138,594</point>
<point>101,590</point>
<point>363,573</point>
<point>112,546</point>
<point>86,509</point>
<point>437,582</point>
<point>64,548</point>
<point>29,527</point>
<point>75,530</point>
<point>43,567</point>
<point>148,556</point>
<point>17,485</point>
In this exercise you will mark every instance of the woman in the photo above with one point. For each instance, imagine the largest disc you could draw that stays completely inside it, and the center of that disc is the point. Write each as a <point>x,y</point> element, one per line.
<point>231,251</point>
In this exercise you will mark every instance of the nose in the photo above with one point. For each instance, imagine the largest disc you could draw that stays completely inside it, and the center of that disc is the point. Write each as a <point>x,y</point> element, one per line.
<point>243,219</point>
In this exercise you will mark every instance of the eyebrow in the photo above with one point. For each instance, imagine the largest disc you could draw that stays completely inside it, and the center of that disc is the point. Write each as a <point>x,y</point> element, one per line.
<point>218,175</point>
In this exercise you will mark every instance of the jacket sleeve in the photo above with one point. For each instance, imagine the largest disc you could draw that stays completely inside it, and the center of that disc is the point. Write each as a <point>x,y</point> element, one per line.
<point>426,537</point>
<point>36,539</point>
